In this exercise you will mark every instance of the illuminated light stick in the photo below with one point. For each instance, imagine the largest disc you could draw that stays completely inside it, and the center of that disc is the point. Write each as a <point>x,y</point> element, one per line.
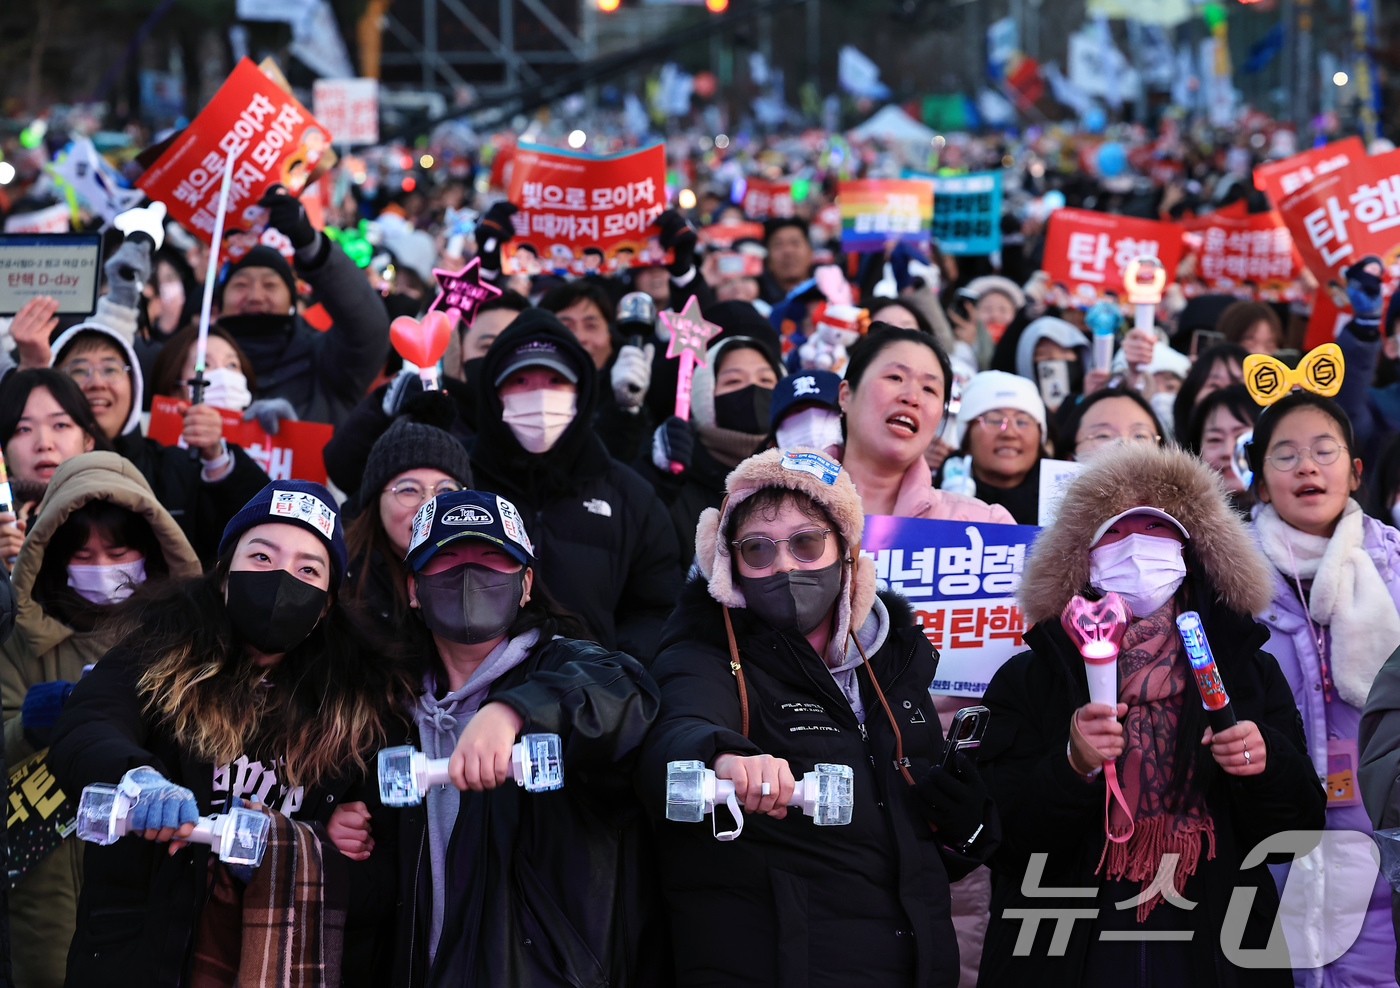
<point>1096,627</point>
<point>690,336</point>
<point>237,837</point>
<point>460,294</point>
<point>1103,319</point>
<point>406,774</point>
<point>1213,696</point>
<point>201,346</point>
<point>1144,294</point>
<point>826,794</point>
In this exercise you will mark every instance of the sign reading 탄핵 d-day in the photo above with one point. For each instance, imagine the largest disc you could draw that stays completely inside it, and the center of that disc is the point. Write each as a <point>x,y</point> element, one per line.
<point>961,580</point>
<point>62,266</point>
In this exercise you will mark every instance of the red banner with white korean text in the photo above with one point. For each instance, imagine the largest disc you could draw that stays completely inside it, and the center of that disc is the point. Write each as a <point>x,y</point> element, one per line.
<point>1245,254</point>
<point>1286,176</point>
<point>1346,214</point>
<point>767,200</point>
<point>294,452</point>
<point>581,214</point>
<point>275,140</point>
<point>1089,252</point>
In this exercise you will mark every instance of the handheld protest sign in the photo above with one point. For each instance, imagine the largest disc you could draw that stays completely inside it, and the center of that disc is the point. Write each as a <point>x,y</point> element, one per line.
<point>66,267</point>
<point>422,343</point>
<point>690,336</point>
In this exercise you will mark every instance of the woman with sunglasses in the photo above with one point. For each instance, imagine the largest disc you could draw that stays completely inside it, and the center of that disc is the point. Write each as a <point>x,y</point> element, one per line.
<point>780,656</point>
<point>1333,621</point>
<point>410,463</point>
<point>1004,433</point>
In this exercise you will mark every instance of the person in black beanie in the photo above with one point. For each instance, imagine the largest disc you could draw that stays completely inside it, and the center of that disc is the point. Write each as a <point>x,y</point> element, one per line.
<point>607,548</point>
<point>410,463</point>
<point>303,373</point>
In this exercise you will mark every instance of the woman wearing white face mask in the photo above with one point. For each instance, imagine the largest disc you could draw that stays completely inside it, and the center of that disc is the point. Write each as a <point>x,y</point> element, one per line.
<point>100,533</point>
<point>1152,525</point>
<point>607,545</point>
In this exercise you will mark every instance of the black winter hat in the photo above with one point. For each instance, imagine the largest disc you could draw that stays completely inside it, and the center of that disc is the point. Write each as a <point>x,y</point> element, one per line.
<point>409,445</point>
<point>261,256</point>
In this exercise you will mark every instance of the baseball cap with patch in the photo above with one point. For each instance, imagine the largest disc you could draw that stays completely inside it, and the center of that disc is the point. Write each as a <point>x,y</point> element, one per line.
<point>537,353</point>
<point>1141,509</point>
<point>456,515</point>
<point>814,387</point>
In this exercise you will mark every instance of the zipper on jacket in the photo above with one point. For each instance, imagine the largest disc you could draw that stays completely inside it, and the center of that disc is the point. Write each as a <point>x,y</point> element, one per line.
<point>413,906</point>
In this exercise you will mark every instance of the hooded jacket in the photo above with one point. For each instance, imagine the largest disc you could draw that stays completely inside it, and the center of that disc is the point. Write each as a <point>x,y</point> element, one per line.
<point>545,889</point>
<point>1053,329</point>
<point>42,649</point>
<point>606,547</point>
<point>323,374</point>
<point>1054,817</point>
<point>175,474</point>
<point>863,904</point>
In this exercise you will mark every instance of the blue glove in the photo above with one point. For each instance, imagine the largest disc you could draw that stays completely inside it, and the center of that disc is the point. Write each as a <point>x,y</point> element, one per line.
<point>672,443</point>
<point>1364,293</point>
<point>156,801</point>
<point>43,703</point>
<point>269,412</point>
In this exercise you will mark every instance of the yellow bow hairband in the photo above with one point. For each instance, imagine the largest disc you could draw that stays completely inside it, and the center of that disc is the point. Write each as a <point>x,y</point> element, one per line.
<point>1269,379</point>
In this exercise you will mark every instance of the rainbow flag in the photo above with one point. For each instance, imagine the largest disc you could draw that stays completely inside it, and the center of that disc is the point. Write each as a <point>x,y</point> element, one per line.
<point>875,211</point>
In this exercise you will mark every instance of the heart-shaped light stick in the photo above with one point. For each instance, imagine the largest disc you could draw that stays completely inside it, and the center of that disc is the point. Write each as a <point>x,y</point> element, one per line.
<point>422,343</point>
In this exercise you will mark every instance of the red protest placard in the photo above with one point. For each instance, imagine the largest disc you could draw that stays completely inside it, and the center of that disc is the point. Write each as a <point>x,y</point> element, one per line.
<point>295,452</point>
<point>274,139</point>
<point>1346,214</point>
<point>581,214</point>
<point>723,235</point>
<point>767,200</point>
<point>1088,252</point>
<point>1286,176</point>
<point>1245,250</point>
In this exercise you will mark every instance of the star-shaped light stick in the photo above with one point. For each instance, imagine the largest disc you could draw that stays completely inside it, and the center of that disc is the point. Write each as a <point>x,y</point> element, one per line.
<point>461,292</point>
<point>690,337</point>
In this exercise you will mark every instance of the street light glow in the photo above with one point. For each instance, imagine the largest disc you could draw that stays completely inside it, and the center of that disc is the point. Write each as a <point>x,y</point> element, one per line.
<point>1339,79</point>
<point>577,139</point>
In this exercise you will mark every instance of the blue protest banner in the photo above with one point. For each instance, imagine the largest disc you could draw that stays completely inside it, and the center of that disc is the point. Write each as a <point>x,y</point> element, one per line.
<point>961,578</point>
<point>966,212</point>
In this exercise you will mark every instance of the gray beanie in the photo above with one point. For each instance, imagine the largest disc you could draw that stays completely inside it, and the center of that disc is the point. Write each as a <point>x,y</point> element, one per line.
<point>409,445</point>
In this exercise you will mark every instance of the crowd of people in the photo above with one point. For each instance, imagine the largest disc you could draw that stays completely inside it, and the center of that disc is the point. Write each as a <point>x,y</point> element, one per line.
<point>542,545</point>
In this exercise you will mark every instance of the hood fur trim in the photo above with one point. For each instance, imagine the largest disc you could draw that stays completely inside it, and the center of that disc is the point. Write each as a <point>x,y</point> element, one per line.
<point>841,502</point>
<point>1164,477</point>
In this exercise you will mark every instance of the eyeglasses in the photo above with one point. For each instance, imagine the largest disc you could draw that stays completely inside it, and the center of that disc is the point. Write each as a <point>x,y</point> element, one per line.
<point>411,494</point>
<point>1323,453</point>
<point>1000,423</point>
<point>107,371</point>
<point>759,551</point>
<point>1100,438</point>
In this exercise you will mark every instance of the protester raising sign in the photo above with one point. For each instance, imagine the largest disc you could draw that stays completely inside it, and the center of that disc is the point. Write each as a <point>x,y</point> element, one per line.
<point>875,211</point>
<point>1088,252</point>
<point>274,139</point>
<point>1286,176</point>
<point>581,214</point>
<point>961,579</point>
<point>767,200</point>
<point>294,452</point>
<point>1345,213</point>
<point>1254,249</point>
<point>966,212</point>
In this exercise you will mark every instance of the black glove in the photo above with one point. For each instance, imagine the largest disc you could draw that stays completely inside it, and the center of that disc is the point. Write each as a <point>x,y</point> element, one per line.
<point>285,213</point>
<point>672,443</point>
<point>953,801</point>
<point>677,236</point>
<point>492,231</point>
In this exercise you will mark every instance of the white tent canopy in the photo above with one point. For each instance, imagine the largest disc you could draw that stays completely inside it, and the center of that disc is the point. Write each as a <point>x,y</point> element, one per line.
<point>890,123</point>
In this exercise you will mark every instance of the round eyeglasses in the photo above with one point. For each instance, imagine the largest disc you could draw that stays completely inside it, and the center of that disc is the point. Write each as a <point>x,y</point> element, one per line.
<point>411,494</point>
<point>759,551</point>
<point>1324,453</point>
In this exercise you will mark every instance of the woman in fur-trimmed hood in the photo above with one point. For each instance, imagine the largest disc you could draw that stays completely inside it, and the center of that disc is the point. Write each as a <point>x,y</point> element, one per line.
<point>778,657</point>
<point>1151,524</point>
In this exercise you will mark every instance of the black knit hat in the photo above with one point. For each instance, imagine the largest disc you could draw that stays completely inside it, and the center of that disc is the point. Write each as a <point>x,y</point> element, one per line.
<point>261,256</point>
<point>409,445</point>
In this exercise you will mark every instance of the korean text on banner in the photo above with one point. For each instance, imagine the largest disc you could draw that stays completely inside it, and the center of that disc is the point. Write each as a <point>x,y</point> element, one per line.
<point>961,579</point>
<point>294,453</point>
<point>274,140</point>
<point>349,108</point>
<point>967,213</point>
<point>875,211</point>
<point>1253,248</point>
<point>767,200</point>
<point>1088,252</point>
<point>1286,176</point>
<point>581,214</point>
<point>38,815</point>
<point>1345,214</point>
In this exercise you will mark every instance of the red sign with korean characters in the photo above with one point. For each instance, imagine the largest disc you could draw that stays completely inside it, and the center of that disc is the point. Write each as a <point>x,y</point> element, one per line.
<point>1088,252</point>
<point>1346,214</point>
<point>295,451</point>
<point>1254,249</point>
<point>274,139</point>
<point>767,200</point>
<point>581,214</point>
<point>1286,176</point>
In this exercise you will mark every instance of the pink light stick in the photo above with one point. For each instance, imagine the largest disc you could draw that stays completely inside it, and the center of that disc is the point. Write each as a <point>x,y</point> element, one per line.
<point>690,337</point>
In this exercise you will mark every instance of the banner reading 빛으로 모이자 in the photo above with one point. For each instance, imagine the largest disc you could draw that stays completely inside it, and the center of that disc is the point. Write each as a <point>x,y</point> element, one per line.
<point>961,579</point>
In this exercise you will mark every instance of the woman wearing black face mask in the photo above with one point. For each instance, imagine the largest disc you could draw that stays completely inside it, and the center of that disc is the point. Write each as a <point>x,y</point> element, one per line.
<point>249,684</point>
<point>493,668</point>
<point>729,401</point>
<point>778,657</point>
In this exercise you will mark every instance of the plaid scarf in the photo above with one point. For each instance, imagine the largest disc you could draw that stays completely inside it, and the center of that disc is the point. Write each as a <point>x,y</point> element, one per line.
<point>1154,679</point>
<point>286,928</point>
